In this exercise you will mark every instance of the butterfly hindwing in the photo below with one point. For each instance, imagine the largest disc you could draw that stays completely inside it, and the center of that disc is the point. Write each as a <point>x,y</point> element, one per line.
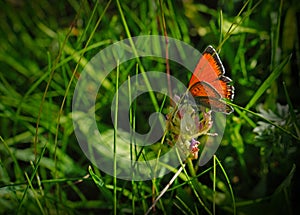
<point>214,104</point>
<point>204,89</point>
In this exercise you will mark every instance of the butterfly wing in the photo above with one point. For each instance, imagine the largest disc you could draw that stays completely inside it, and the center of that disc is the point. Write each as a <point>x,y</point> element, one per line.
<point>211,70</point>
<point>214,104</point>
<point>205,95</point>
<point>204,89</point>
<point>209,85</point>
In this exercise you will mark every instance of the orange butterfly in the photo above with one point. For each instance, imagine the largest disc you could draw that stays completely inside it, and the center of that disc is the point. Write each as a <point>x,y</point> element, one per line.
<point>208,85</point>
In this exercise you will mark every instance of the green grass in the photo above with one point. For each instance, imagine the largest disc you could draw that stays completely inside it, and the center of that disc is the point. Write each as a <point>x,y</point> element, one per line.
<point>44,48</point>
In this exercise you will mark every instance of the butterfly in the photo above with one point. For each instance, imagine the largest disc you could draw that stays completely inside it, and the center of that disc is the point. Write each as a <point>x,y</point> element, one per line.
<point>208,84</point>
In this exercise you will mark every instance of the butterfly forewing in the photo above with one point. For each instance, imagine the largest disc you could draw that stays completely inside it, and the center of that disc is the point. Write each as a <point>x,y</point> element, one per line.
<point>207,69</point>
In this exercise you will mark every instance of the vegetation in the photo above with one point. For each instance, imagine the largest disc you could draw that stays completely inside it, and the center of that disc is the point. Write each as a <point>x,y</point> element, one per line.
<point>44,48</point>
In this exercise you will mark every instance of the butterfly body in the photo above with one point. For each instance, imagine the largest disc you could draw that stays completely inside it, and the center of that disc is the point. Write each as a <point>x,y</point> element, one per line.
<point>208,84</point>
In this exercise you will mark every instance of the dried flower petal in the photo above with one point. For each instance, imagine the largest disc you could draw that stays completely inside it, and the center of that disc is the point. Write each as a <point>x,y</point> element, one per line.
<point>185,127</point>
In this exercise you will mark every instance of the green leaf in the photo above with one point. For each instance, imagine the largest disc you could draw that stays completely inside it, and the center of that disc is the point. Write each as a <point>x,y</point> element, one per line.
<point>268,82</point>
